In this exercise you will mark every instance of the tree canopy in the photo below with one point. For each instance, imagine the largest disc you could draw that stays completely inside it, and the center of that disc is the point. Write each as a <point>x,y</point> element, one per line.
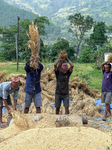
<point>80,25</point>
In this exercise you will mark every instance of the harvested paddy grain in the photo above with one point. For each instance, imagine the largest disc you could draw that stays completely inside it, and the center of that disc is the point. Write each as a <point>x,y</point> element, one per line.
<point>67,138</point>
<point>20,120</point>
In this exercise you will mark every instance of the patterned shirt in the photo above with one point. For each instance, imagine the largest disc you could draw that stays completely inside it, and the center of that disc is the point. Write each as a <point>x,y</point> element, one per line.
<point>5,90</point>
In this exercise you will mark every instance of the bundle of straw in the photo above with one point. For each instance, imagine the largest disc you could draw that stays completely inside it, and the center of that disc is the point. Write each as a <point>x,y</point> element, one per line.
<point>110,58</point>
<point>34,44</point>
<point>62,58</point>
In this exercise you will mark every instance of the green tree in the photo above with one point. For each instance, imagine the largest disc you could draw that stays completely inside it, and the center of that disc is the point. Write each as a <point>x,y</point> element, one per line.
<point>8,43</point>
<point>62,44</point>
<point>80,26</point>
<point>98,37</point>
<point>85,54</point>
<point>40,22</point>
<point>9,38</point>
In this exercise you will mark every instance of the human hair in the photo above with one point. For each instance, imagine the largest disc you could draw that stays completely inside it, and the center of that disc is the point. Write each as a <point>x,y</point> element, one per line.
<point>108,65</point>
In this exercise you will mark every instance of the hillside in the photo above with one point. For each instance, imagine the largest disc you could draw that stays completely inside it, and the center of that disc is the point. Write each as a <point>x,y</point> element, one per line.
<point>59,10</point>
<point>9,13</point>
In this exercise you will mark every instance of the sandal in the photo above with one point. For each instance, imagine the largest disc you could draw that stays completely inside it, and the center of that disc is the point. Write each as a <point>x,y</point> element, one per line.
<point>2,125</point>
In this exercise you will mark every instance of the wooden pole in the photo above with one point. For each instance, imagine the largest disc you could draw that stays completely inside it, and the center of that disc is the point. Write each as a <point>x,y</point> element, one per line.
<point>17,38</point>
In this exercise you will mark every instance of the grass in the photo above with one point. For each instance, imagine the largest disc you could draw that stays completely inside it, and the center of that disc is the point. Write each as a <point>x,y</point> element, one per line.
<point>86,72</point>
<point>83,71</point>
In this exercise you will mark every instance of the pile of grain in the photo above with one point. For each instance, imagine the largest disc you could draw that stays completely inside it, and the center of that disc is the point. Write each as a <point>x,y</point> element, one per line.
<point>65,138</point>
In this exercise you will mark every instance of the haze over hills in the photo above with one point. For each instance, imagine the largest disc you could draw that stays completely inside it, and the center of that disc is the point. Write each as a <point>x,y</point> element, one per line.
<point>59,10</point>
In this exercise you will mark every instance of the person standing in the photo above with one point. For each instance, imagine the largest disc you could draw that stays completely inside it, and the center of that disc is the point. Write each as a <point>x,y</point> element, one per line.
<point>106,94</point>
<point>62,88</point>
<point>32,88</point>
<point>6,88</point>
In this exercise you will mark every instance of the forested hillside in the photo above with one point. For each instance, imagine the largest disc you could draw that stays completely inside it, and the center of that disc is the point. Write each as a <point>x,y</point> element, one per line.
<point>8,14</point>
<point>59,10</point>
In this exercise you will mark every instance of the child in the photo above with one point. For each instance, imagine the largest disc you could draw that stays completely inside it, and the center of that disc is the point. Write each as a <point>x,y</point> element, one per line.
<point>106,87</point>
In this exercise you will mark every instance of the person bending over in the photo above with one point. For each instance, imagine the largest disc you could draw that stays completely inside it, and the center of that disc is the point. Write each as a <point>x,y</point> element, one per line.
<point>6,88</point>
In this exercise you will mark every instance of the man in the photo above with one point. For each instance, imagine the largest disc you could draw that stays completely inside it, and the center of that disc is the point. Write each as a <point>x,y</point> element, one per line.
<point>62,88</point>
<point>32,88</point>
<point>6,88</point>
<point>106,87</point>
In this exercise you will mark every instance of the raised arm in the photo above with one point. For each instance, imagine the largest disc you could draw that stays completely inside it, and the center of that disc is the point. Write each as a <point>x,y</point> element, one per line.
<point>104,63</point>
<point>40,68</point>
<point>71,65</point>
<point>27,67</point>
<point>55,65</point>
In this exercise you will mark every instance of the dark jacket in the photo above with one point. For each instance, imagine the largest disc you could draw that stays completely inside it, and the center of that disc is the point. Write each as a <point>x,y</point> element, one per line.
<point>33,78</point>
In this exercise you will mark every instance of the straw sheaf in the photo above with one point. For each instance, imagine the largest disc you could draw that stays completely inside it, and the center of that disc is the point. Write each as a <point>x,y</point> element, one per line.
<point>63,55</point>
<point>2,76</point>
<point>62,58</point>
<point>34,44</point>
<point>110,58</point>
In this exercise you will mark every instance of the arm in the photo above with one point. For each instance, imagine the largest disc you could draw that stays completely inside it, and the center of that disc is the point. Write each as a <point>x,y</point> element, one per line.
<point>40,67</point>
<point>5,101</point>
<point>15,104</point>
<point>55,65</point>
<point>71,65</point>
<point>27,67</point>
<point>5,96</point>
<point>103,68</point>
<point>111,70</point>
<point>16,92</point>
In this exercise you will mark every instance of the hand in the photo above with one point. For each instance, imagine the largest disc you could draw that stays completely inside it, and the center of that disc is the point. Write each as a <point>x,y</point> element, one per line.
<point>31,58</point>
<point>67,58</point>
<point>37,60</point>
<point>9,111</point>
<point>15,108</point>
<point>111,70</point>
